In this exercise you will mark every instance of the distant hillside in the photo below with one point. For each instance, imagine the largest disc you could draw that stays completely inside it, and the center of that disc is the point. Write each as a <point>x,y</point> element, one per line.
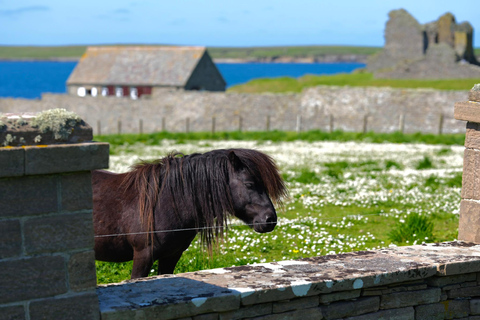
<point>307,53</point>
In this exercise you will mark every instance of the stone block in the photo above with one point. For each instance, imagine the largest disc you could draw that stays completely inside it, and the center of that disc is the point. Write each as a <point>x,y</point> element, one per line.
<point>208,316</point>
<point>433,311</point>
<point>410,298</point>
<point>76,191</point>
<point>66,158</point>
<point>305,314</point>
<point>474,306</point>
<point>59,233</point>
<point>337,296</point>
<point>12,162</point>
<point>469,220</point>
<point>247,312</point>
<point>392,314</point>
<point>10,239</point>
<point>474,95</point>
<point>471,175</point>
<point>78,307</point>
<point>439,281</point>
<point>12,313</point>
<point>295,304</point>
<point>351,308</point>
<point>467,292</point>
<point>32,278</point>
<point>467,111</point>
<point>81,271</point>
<point>472,135</point>
<point>456,309</point>
<point>18,195</point>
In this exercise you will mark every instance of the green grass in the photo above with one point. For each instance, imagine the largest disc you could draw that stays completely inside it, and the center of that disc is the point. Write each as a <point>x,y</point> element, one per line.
<point>355,79</point>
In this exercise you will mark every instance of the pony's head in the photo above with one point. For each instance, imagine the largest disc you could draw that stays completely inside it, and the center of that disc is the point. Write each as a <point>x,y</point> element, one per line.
<point>255,183</point>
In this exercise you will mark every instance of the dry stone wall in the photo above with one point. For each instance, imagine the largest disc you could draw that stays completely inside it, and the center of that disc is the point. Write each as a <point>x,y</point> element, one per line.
<point>324,108</point>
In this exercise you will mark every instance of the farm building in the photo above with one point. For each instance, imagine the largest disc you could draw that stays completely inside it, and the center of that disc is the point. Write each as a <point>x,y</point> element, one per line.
<point>143,70</point>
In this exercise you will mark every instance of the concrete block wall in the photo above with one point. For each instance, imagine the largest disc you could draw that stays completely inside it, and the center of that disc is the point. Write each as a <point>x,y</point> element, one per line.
<point>46,231</point>
<point>470,204</point>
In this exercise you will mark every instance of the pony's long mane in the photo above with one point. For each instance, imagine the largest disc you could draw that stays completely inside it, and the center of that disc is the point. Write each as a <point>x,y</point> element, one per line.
<point>200,182</point>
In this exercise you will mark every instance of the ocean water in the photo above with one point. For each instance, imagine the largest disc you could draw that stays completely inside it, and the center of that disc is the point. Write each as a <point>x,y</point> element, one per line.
<point>29,79</point>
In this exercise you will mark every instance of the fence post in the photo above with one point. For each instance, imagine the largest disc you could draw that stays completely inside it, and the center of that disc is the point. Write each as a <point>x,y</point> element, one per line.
<point>119,127</point>
<point>268,123</point>
<point>140,125</point>
<point>163,124</point>
<point>331,123</point>
<point>365,123</point>
<point>401,123</point>
<point>440,124</point>
<point>299,123</point>
<point>187,125</point>
<point>240,123</point>
<point>99,128</point>
<point>213,125</point>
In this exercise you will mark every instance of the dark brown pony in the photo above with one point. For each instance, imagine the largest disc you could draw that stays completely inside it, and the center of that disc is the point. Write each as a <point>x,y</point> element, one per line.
<point>135,212</point>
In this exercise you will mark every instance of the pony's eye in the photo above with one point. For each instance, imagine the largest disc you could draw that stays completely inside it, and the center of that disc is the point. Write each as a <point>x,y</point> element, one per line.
<point>249,185</point>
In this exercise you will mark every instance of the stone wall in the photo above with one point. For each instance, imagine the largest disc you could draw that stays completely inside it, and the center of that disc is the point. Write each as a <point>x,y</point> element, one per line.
<point>323,107</point>
<point>46,231</point>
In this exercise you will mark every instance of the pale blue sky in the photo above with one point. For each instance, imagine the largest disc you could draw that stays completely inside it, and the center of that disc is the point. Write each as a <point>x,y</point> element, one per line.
<point>215,22</point>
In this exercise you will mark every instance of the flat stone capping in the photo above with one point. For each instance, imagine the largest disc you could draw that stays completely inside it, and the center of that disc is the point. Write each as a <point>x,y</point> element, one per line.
<point>467,111</point>
<point>228,289</point>
<point>55,158</point>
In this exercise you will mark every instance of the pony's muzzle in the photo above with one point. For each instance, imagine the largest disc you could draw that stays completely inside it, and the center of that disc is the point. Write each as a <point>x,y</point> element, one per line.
<point>265,225</point>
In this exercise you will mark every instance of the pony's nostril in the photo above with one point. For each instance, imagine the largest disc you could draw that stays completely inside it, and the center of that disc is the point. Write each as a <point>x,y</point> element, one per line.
<point>271,219</point>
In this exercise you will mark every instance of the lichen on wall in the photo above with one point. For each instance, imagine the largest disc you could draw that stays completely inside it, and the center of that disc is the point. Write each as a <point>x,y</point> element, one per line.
<point>60,121</point>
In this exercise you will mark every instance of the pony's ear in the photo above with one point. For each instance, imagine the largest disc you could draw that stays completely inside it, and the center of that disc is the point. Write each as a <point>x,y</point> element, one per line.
<point>235,161</point>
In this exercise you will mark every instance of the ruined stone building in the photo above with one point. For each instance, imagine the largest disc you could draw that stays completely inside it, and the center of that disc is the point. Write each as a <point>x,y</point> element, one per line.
<point>143,70</point>
<point>440,49</point>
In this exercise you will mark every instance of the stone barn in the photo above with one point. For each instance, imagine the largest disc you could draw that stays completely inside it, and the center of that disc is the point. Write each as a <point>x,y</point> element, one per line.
<point>124,71</point>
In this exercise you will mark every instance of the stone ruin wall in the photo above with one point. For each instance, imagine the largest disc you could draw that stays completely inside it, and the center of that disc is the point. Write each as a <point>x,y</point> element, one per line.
<point>441,49</point>
<point>324,108</point>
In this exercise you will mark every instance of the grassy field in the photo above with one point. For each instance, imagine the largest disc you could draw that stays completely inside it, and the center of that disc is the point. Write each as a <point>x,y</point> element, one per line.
<point>360,79</point>
<point>344,195</point>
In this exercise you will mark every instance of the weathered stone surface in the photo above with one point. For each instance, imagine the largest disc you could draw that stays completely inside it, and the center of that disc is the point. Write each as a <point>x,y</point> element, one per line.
<point>474,95</point>
<point>59,233</point>
<point>295,304</point>
<point>472,136</point>
<point>338,296</point>
<point>12,313</point>
<point>446,25</point>
<point>441,281</point>
<point>46,127</point>
<point>12,162</point>
<point>410,298</point>
<point>474,306</point>
<point>208,316</point>
<point>18,195</point>
<point>66,158</point>
<point>10,239</point>
<point>469,219</point>
<point>32,278</point>
<point>471,175</point>
<point>392,314</point>
<point>247,312</point>
<point>434,311</point>
<point>467,111</point>
<point>76,191</point>
<point>78,307</point>
<point>351,308</point>
<point>456,309</point>
<point>306,314</point>
<point>81,271</point>
<point>467,292</point>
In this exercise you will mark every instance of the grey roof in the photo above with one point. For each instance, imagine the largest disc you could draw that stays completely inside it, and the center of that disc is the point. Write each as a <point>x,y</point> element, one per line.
<point>143,65</point>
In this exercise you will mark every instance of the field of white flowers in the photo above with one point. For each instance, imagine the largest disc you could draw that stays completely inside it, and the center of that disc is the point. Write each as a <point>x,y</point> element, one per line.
<point>343,197</point>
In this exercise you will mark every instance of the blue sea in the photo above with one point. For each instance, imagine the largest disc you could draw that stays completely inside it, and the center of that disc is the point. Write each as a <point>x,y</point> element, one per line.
<point>28,79</point>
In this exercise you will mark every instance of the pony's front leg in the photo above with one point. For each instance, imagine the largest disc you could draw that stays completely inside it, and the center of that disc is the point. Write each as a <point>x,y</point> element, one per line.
<point>167,265</point>
<point>142,262</point>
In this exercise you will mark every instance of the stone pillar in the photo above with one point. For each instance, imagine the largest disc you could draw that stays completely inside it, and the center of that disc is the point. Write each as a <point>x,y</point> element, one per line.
<point>46,229</point>
<point>469,225</point>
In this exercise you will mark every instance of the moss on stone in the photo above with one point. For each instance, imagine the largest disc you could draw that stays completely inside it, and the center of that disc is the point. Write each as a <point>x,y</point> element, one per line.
<point>60,121</point>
